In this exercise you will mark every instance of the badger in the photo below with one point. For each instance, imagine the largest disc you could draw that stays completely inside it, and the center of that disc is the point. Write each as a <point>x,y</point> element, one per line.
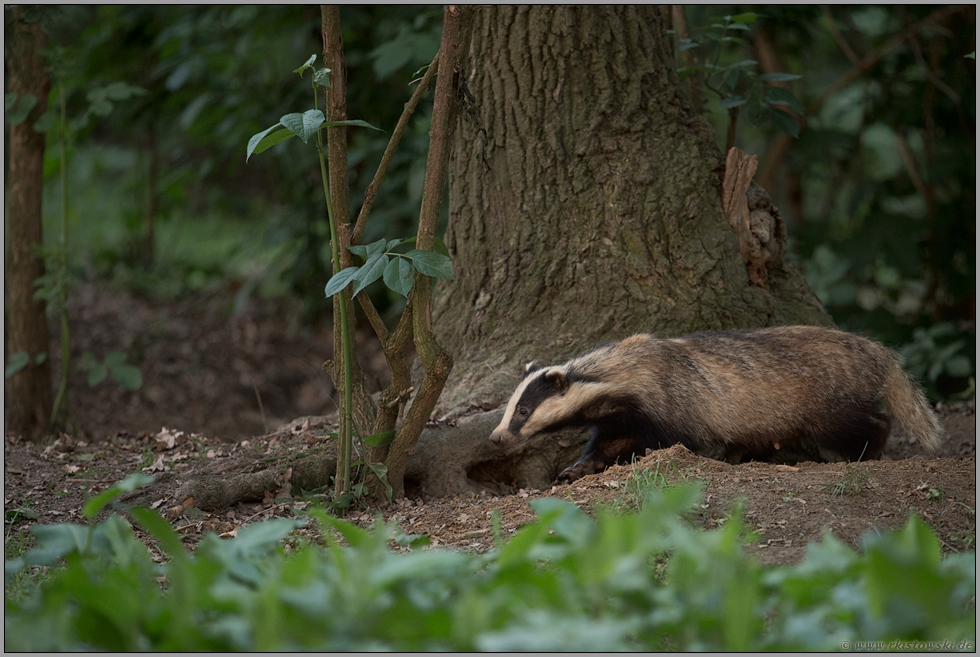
<point>741,394</point>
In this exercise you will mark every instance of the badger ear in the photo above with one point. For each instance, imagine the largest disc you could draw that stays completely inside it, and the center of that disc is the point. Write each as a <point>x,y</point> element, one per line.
<point>530,368</point>
<point>557,379</point>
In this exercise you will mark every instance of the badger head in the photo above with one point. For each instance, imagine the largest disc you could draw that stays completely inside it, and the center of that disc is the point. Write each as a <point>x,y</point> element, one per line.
<point>535,406</point>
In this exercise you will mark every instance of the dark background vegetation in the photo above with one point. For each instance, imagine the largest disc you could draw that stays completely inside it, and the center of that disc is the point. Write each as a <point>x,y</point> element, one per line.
<point>878,190</point>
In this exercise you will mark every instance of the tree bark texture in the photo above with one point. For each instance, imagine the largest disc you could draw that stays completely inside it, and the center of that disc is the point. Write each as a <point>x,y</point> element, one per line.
<point>601,212</point>
<point>27,407</point>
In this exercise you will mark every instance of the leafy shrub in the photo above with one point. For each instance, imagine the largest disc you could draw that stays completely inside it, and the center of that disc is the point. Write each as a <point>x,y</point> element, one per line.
<point>643,581</point>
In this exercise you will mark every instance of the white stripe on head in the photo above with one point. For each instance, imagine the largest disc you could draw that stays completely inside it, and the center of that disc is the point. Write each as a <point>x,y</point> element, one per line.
<point>554,410</point>
<point>502,428</point>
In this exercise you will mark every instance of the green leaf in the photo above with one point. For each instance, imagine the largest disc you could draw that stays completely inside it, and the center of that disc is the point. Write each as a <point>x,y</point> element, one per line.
<point>758,113</point>
<point>262,538</point>
<point>414,541</point>
<point>18,361</point>
<point>339,281</point>
<point>322,78</point>
<point>376,248</point>
<point>732,102</point>
<point>399,276</point>
<point>303,125</point>
<point>46,120</point>
<point>127,485</point>
<point>959,366</point>
<point>730,80</point>
<point>785,123</point>
<point>432,264</point>
<point>354,122</point>
<point>747,17</point>
<point>354,534</point>
<point>372,270</point>
<point>359,250</point>
<point>780,96</point>
<point>87,361</point>
<point>128,376</point>
<point>17,109</point>
<point>308,64</point>
<point>381,472</point>
<point>570,522</point>
<point>382,439</point>
<point>55,541</point>
<point>440,246</point>
<point>13,516</point>
<point>437,244</point>
<point>115,358</point>
<point>123,91</point>
<point>101,107</point>
<point>779,77</point>
<point>161,530</point>
<point>97,374</point>
<point>263,140</point>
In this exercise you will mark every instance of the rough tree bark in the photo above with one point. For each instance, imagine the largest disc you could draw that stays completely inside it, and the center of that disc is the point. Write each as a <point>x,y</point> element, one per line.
<point>594,208</point>
<point>27,408</point>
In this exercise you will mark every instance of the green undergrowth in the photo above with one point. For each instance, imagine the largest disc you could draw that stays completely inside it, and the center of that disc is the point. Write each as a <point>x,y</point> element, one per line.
<point>567,582</point>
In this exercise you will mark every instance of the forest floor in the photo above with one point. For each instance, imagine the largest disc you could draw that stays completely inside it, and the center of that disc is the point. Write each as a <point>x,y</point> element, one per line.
<point>218,383</point>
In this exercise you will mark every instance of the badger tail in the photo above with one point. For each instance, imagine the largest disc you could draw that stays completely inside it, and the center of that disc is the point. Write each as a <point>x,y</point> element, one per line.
<point>908,405</point>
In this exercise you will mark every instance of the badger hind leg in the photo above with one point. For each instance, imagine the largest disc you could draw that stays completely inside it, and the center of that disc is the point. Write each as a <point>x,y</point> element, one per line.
<point>860,435</point>
<point>601,452</point>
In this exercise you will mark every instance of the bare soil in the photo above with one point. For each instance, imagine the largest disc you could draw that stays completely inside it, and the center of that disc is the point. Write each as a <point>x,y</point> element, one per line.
<point>219,382</point>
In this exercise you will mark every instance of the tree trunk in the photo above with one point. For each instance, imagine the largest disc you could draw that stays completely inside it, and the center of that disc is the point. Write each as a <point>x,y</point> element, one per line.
<point>593,209</point>
<point>28,403</point>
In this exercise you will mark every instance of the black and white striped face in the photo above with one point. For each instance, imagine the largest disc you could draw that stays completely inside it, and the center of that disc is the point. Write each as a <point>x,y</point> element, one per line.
<point>523,417</point>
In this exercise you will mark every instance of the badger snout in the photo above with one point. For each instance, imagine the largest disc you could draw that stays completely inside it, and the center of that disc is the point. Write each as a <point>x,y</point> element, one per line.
<point>496,438</point>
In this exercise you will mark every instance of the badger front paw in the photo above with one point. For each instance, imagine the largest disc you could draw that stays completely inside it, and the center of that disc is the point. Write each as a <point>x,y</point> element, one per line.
<point>581,468</point>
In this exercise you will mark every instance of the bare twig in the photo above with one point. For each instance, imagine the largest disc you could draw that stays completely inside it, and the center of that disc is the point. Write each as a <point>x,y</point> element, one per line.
<point>372,190</point>
<point>838,37</point>
<point>435,359</point>
<point>258,398</point>
<point>679,21</point>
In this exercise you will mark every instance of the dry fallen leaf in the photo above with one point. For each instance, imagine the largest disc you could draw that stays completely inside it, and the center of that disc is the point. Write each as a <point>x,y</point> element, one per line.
<point>158,466</point>
<point>168,439</point>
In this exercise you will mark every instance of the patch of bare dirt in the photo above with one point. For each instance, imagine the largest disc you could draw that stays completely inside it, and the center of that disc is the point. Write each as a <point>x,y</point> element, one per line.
<point>206,367</point>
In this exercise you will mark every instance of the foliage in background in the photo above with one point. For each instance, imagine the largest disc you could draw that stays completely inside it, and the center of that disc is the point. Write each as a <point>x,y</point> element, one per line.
<point>878,190</point>
<point>643,581</point>
<point>174,157</point>
<point>738,85</point>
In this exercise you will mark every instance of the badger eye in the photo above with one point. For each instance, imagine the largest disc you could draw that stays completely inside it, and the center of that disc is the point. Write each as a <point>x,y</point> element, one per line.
<point>522,412</point>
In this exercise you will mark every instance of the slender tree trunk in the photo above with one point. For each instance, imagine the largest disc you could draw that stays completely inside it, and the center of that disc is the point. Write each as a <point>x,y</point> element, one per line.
<point>152,201</point>
<point>600,214</point>
<point>28,403</point>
